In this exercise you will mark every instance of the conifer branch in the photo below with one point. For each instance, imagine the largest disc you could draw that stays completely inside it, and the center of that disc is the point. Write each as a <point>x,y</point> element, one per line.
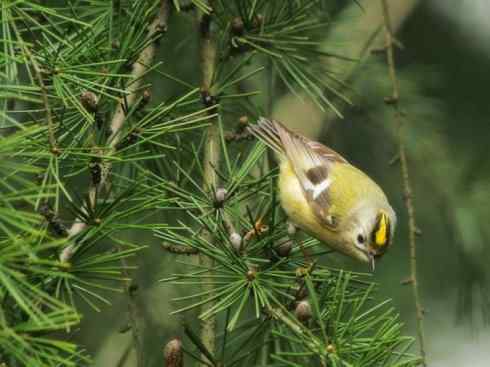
<point>208,53</point>
<point>139,68</point>
<point>393,100</point>
<point>412,232</point>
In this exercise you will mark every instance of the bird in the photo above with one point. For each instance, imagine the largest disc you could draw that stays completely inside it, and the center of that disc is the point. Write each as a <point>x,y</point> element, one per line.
<point>326,196</point>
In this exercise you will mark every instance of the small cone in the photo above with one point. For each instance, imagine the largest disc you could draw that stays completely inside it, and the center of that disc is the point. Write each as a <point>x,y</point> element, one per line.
<point>174,356</point>
<point>303,311</point>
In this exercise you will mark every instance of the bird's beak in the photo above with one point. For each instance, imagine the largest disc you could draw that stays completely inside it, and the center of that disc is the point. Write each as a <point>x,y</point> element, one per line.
<point>372,262</point>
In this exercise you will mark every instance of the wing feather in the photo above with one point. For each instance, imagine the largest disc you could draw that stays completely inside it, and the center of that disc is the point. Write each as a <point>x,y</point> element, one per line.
<point>310,160</point>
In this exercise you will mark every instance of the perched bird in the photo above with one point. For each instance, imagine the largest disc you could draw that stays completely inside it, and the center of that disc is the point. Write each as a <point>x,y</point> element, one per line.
<point>327,197</point>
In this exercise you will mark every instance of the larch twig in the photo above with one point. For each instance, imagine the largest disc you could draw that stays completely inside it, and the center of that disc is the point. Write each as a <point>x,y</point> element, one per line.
<point>208,54</point>
<point>393,100</point>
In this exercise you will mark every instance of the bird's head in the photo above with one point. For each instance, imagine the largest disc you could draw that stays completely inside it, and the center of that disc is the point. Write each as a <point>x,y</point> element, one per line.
<point>371,231</point>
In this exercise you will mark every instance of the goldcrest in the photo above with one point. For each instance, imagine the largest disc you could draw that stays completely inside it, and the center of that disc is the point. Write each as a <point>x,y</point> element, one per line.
<point>327,197</point>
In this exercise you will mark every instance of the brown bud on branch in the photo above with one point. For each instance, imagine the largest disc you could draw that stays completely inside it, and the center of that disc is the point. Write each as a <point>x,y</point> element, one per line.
<point>173,353</point>
<point>303,311</point>
<point>89,100</point>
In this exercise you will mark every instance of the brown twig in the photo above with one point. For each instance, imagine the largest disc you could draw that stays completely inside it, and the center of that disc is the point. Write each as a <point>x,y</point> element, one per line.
<point>393,100</point>
<point>49,118</point>
<point>390,57</point>
<point>44,94</point>
<point>131,290</point>
<point>412,232</point>
<point>208,54</point>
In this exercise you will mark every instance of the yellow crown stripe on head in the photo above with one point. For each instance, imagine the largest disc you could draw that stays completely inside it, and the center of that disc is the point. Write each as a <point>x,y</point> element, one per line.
<point>381,234</point>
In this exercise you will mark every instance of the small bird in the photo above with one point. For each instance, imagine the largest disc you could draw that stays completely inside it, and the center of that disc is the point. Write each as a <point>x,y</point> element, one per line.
<point>327,197</point>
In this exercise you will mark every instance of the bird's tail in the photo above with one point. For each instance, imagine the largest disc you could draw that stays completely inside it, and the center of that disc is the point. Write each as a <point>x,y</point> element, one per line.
<point>269,132</point>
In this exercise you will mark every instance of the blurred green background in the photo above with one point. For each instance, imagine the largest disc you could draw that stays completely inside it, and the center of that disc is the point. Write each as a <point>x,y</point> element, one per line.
<point>444,72</point>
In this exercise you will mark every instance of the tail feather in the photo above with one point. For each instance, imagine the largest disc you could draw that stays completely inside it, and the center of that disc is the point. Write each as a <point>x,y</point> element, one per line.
<point>268,132</point>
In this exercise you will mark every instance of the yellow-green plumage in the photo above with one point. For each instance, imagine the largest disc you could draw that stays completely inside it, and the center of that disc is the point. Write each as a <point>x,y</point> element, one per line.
<point>348,188</point>
<point>327,197</point>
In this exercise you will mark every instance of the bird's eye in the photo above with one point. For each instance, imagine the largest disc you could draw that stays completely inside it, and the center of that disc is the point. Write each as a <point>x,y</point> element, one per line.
<point>361,238</point>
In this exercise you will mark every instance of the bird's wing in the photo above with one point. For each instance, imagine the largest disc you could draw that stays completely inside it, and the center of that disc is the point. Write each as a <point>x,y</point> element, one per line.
<point>310,160</point>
